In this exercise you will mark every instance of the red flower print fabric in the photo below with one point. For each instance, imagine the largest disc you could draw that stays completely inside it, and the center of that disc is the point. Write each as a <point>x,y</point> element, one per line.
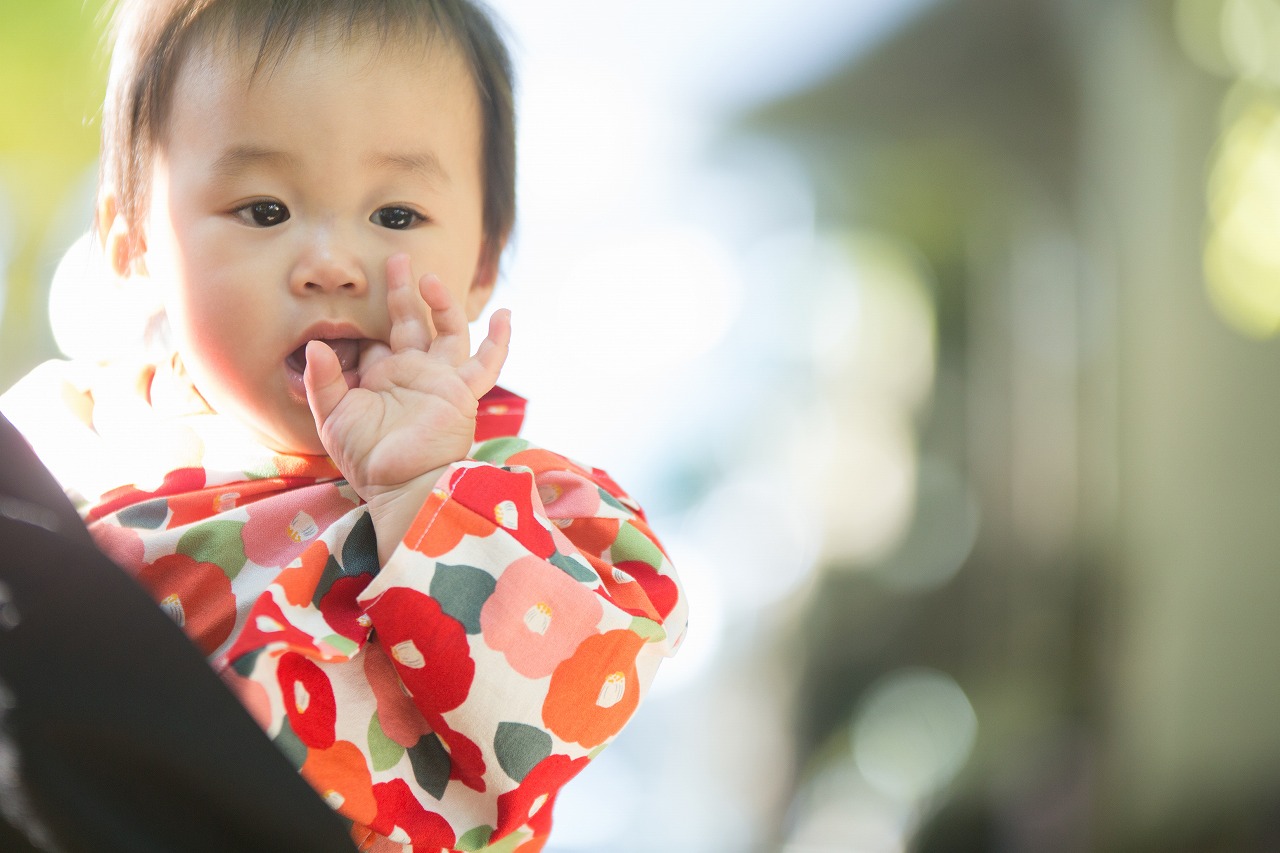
<point>439,702</point>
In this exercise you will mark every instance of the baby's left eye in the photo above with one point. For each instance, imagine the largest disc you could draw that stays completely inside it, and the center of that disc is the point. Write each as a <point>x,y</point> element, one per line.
<point>398,218</point>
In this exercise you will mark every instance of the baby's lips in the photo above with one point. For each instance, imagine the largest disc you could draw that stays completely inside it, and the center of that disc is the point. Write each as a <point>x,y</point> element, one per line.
<point>346,349</point>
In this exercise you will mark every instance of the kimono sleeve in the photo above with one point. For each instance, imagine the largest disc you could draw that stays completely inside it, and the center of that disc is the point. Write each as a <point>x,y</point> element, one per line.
<point>525,613</point>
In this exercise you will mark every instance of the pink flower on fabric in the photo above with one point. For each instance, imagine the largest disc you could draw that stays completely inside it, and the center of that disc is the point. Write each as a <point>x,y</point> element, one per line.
<point>400,719</point>
<point>251,694</point>
<point>537,616</point>
<point>122,544</point>
<point>281,526</point>
<point>565,494</point>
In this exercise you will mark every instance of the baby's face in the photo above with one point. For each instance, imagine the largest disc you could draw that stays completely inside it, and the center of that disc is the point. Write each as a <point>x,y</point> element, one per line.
<point>276,201</point>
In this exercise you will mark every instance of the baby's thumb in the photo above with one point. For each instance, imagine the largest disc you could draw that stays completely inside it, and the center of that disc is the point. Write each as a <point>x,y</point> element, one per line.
<point>324,381</point>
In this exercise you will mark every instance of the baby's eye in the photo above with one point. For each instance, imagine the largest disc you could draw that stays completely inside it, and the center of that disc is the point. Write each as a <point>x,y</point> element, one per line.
<point>396,217</point>
<point>263,214</point>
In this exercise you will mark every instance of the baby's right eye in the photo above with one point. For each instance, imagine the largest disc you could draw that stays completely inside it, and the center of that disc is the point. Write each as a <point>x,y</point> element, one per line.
<point>263,214</point>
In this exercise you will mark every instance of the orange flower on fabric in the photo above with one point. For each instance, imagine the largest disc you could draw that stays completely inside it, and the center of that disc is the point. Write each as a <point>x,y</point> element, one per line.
<point>536,459</point>
<point>537,616</point>
<point>622,589</point>
<point>340,774</point>
<point>298,583</point>
<point>595,692</point>
<point>297,470</point>
<point>592,535</point>
<point>196,595</point>
<point>441,524</point>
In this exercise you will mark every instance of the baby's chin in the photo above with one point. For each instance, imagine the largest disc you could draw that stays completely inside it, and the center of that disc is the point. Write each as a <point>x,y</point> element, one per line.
<point>291,439</point>
<point>298,448</point>
<point>273,417</point>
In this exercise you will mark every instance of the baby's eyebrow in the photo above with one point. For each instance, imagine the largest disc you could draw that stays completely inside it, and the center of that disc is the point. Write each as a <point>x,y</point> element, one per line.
<point>241,158</point>
<point>422,164</point>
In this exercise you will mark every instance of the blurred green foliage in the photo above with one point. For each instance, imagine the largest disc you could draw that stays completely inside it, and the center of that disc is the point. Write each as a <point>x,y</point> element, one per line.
<point>53,63</point>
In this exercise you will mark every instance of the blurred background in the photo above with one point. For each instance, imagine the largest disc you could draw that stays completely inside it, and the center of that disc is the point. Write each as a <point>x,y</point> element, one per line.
<point>937,337</point>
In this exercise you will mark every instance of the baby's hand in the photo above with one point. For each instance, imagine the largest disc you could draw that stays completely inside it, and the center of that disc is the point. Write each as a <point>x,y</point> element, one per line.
<point>414,411</point>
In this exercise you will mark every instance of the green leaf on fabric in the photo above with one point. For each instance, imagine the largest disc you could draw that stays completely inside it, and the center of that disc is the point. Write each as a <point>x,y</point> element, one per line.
<point>342,645</point>
<point>266,470</point>
<point>475,838</point>
<point>360,551</point>
<point>332,571</point>
<point>612,501</point>
<point>593,754</point>
<point>245,663</point>
<point>431,765</point>
<point>631,545</point>
<point>289,743</point>
<point>572,568</point>
<point>509,844</point>
<point>383,751</point>
<point>520,748</point>
<point>647,628</point>
<point>148,515</point>
<point>499,450</point>
<point>217,542</point>
<point>462,591</point>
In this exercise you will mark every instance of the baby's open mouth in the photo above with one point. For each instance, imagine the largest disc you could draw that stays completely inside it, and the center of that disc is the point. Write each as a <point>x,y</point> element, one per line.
<point>347,350</point>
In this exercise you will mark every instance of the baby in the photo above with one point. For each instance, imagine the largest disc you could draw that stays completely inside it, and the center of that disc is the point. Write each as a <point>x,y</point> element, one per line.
<point>437,622</point>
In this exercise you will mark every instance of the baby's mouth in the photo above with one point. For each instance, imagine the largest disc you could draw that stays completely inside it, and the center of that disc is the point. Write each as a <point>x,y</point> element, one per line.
<point>346,349</point>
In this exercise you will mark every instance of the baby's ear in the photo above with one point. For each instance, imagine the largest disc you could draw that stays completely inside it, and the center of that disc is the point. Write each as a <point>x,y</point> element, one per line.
<point>485,278</point>
<point>123,245</point>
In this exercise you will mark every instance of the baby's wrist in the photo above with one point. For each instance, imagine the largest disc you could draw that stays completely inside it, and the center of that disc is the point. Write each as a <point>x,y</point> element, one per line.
<point>394,509</point>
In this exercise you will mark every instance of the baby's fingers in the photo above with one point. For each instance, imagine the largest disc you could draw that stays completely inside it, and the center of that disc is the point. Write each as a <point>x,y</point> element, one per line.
<point>452,342</point>
<point>323,380</point>
<point>404,305</point>
<point>480,372</point>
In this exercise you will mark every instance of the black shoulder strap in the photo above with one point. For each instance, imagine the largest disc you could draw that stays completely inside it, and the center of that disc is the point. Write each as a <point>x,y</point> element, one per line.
<point>126,739</point>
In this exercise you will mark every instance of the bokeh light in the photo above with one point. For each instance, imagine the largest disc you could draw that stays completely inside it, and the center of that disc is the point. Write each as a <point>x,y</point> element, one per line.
<point>1242,254</point>
<point>914,733</point>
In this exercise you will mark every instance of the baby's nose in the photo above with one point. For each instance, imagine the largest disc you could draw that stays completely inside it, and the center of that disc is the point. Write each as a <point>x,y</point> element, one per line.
<point>328,264</point>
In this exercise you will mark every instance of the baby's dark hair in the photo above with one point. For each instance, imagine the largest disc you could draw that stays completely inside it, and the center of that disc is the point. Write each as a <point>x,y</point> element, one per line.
<point>152,38</point>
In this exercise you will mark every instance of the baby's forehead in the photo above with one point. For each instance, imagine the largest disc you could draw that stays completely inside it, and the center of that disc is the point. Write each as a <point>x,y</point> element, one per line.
<point>261,47</point>
<point>247,57</point>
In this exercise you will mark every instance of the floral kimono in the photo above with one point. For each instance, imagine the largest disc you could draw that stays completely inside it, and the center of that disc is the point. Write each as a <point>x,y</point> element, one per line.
<point>437,703</point>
